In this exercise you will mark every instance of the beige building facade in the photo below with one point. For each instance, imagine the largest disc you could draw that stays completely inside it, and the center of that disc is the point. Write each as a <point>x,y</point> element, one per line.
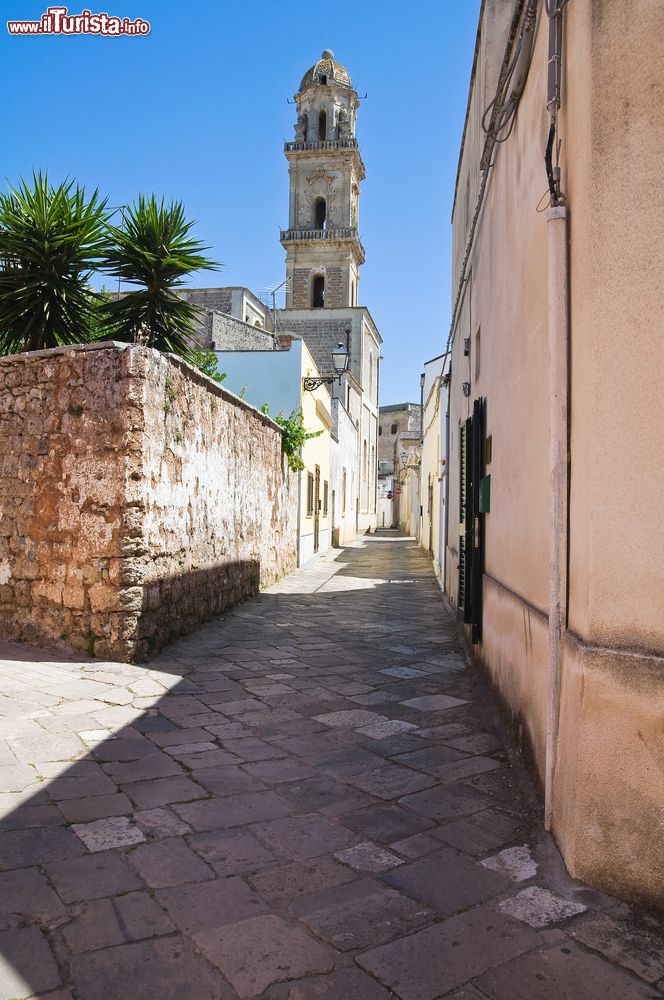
<point>555,556</point>
<point>433,467</point>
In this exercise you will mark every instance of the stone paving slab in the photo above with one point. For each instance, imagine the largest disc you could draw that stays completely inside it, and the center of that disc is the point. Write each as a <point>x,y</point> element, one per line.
<point>27,965</point>
<point>165,967</point>
<point>359,914</point>
<point>447,881</point>
<point>311,797</point>
<point>560,972</point>
<point>251,953</point>
<point>432,962</point>
<point>344,983</point>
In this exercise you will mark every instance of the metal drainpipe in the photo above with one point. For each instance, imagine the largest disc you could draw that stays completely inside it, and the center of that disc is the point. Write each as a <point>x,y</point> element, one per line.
<point>299,519</point>
<point>419,487</point>
<point>558,340</point>
<point>447,477</point>
<point>556,226</point>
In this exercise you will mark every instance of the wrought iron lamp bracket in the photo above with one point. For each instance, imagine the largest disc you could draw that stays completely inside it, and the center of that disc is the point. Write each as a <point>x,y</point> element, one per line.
<point>309,383</point>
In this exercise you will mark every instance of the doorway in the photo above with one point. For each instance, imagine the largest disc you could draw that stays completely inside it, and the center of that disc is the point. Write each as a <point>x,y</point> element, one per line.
<point>472,469</point>
<point>317,509</point>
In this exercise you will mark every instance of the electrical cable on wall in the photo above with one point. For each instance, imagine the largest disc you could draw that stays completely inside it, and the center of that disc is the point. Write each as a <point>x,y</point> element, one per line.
<point>504,105</point>
<point>503,108</point>
<point>554,10</point>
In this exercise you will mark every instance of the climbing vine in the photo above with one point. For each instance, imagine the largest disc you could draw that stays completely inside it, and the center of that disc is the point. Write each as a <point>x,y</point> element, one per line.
<point>294,436</point>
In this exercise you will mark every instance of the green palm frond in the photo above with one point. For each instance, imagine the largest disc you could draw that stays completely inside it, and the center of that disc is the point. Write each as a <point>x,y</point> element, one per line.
<point>51,239</point>
<point>153,249</point>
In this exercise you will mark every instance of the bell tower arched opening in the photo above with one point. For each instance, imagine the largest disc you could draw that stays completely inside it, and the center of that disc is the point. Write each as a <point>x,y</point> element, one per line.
<point>320,213</point>
<point>318,292</point>
<point>322,126</point>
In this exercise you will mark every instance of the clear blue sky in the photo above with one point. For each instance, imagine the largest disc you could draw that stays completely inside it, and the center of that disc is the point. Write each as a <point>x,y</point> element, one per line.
<point>197,110</point>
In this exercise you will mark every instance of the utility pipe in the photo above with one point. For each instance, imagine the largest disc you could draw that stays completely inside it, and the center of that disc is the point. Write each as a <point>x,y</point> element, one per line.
<point>556,226</point>
<point>420,521</point>
<point>447,474</point>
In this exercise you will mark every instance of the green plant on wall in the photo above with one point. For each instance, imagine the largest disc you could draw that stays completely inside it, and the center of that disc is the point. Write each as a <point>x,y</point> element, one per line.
<point>294,436</point>
<point>206,361</point>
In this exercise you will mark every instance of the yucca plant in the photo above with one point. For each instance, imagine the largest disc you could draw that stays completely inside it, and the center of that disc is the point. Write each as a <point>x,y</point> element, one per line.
<point>51,238</point>
<point>153,248</point>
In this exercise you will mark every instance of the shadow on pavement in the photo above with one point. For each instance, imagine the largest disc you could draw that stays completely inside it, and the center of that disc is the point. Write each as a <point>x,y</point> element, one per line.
<point>193,828</point>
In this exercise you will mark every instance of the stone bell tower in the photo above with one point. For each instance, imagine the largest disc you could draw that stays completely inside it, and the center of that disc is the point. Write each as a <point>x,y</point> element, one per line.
<point>323,249</point>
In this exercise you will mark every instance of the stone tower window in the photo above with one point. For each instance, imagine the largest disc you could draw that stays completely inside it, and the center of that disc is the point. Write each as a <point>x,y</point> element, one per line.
<point>305,123</point>
<point>320,212</point>
<point>318,292</point>
<point>323,80</point>
<point>322,126</point>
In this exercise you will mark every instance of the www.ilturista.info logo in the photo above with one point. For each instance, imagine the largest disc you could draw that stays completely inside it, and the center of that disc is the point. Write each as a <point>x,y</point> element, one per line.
<point>58,21</point>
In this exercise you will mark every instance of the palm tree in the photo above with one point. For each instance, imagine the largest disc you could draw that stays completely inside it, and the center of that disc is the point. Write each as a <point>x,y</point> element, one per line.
<point>51,239</point>
<point>153,249</point>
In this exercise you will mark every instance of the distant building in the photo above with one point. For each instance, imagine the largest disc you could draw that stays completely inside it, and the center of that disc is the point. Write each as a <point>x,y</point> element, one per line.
<point>232,318</point>
<point>398,440</point>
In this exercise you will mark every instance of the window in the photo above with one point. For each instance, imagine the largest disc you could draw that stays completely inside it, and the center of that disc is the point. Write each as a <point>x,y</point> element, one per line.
<point>372,474</point>
<point>325,497</point>
<point>310,494</point>
<point>322,125</point>
<point>305,123</point>
<point>380,431</point>
<point>318,292</point>
<point>343,492</point>
<point>394,429</point>
<point>323,80</point>
<point>320,213</point>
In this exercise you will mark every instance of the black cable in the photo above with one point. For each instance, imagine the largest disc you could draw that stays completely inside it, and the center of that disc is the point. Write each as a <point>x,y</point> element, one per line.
<point>548,160</point>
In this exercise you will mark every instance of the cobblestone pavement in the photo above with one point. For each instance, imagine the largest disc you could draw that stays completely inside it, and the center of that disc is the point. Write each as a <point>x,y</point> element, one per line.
<point>313,797</point>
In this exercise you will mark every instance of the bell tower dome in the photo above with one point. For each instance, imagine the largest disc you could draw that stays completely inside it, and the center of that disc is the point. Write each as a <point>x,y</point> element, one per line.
<point>323,248</point>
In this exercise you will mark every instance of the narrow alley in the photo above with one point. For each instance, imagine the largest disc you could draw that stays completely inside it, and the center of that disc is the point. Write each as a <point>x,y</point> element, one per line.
<point>311,797</point>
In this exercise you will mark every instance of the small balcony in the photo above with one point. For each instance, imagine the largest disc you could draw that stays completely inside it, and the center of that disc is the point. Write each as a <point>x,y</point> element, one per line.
<point>301,147</point>
<point>304,235</point>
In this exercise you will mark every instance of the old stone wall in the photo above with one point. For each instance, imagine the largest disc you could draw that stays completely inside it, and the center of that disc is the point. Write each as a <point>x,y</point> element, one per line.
<point>321,333</point>
<point>226,333</point>
<point>219,299</point>
<point>138,498</point>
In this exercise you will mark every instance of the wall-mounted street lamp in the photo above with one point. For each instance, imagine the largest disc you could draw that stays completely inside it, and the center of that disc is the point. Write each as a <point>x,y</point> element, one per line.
<point>340,365</point>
